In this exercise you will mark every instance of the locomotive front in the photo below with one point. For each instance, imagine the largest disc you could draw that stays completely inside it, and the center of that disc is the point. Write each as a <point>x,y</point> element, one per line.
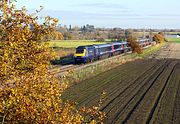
<point>80,55</point>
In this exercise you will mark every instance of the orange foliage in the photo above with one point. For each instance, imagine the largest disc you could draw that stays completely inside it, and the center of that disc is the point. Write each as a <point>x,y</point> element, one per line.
<point>159,38</point>
<point>28,93</point>
<point>134,45</point>
<point>57,36</point>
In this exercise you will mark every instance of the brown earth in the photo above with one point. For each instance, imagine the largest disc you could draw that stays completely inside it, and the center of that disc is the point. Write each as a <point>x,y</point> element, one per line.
<point>172,50</point>
<point>143,91</point>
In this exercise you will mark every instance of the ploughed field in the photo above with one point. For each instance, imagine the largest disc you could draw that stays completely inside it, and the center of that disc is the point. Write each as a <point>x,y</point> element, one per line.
<point>143,91</point>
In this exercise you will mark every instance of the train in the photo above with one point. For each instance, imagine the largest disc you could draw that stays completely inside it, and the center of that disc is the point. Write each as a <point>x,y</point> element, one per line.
<point>89,53</point>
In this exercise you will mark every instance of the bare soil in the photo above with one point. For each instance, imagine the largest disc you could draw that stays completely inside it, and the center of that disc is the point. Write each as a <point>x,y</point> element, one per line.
<point>172,50</point>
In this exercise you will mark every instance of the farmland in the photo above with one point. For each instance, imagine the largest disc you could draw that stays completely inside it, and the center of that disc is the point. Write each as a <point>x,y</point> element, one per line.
<point>142,91</point>
<point>174,40</point>
<point>72,43</point>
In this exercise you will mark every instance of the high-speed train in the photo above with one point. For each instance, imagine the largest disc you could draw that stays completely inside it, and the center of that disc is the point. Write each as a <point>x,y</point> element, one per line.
<point>85,54</point>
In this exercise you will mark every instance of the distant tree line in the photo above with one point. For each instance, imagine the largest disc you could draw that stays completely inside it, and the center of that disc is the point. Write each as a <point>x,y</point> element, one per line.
<point>89,32</point>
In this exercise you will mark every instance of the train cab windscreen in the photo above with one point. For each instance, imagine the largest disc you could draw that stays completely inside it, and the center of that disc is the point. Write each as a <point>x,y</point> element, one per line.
<point>79,51</point>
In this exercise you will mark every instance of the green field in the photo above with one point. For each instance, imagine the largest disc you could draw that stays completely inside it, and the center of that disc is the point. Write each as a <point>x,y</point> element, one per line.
<point>174,40</point>
<point>172,32</point>
<point>72,43</point>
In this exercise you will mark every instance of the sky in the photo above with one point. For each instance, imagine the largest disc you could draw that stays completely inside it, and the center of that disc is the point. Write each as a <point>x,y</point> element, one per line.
<point>159,14</point>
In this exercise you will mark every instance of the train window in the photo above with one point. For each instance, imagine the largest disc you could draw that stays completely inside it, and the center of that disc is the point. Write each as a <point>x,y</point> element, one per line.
<point>110,48</point>
<point>103,49</point>
<point>79,50</point>
<point>107,49</point>
<point>90,51</point>
<point>117,46</point>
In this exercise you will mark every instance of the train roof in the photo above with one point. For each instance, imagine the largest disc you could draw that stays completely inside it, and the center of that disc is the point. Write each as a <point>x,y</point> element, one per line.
<point>141,40</point>
<point>83,47</point>
<point>103,45</point>
<point>117,43</point>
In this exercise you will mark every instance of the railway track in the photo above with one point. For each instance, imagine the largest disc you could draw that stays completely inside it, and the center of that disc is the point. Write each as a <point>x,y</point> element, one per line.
<point>61,70</point>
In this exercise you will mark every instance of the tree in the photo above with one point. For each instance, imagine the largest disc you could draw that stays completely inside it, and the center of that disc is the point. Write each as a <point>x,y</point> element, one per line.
<point>67,35</point>
<point>100,40</point>
<point>28,92</point>
<point>132,41</point>
<point>159,38</point>
<point>56,35</point>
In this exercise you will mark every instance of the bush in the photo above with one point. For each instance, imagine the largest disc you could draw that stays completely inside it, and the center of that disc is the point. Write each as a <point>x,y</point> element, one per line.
<point>159,38</point>
<point>28,92</point>
<point>132,41</point>
<point>100,40</point>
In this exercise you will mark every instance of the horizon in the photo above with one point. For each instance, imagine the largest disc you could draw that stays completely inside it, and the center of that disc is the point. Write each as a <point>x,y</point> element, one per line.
<point>138,14</point>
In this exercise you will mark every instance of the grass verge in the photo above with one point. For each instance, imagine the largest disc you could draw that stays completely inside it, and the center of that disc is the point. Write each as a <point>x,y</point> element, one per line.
<point>174,40</point>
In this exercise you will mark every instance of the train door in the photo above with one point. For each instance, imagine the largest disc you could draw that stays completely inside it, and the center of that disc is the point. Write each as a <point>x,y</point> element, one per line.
<point>122,46</point>
<point>96,53</point>
<point>113,50</point>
